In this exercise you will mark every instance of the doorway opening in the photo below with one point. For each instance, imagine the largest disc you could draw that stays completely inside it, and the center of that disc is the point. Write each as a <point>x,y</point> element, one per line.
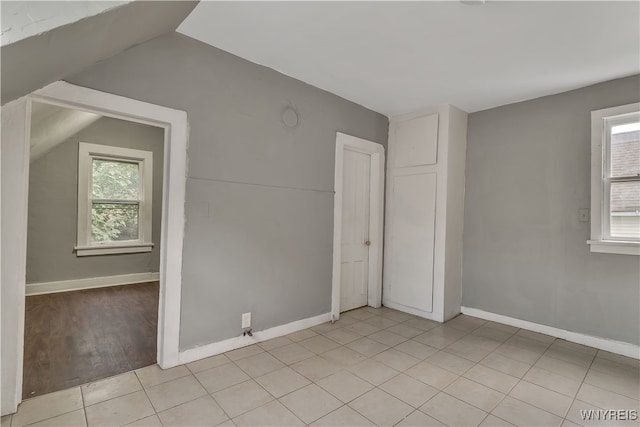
<point>16,129</point>
<point>358,222</point>
<point>93,247</point>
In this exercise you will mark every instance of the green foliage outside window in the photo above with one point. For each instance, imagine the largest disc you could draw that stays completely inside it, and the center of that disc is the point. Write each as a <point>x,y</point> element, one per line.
<point>113,218</point>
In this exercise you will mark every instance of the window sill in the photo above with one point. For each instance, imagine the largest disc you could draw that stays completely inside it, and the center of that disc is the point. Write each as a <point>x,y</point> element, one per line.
<point>113,249</point>
<point>615,247</point>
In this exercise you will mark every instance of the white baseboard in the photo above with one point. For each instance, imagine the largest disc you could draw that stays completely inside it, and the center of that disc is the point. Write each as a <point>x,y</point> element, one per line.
<point>618,347</point>
<point>90,283</point>
<point>212,349</point>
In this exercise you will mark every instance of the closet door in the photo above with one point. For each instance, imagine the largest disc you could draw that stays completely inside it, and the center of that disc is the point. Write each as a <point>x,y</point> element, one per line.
<point>411,246</point>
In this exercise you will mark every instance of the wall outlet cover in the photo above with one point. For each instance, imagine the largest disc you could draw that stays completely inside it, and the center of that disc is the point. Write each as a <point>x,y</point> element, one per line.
<point>246,320</point>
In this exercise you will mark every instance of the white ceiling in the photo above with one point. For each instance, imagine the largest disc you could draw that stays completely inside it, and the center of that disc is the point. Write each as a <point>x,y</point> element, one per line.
<point>398,57</point>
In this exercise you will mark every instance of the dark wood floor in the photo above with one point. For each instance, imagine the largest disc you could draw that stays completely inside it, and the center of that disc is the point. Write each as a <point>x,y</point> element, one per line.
<point>73,338</point>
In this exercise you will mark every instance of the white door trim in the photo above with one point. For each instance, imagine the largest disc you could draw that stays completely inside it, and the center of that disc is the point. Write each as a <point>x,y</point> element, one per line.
<point>175,125</point>
<point>376,212</point>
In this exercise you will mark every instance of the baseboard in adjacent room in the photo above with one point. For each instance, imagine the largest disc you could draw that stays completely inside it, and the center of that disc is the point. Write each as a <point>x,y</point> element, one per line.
<point>212,349</point>
<point>89,283</point>
<point>618,347</point>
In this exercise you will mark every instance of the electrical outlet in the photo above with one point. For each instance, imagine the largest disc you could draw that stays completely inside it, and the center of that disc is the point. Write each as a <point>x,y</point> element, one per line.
<point>583,215</point>
<point>246,320</point>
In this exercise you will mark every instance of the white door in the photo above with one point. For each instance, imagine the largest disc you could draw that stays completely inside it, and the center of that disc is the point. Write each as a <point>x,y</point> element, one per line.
<point>412,240</point>
<point>354,277</point>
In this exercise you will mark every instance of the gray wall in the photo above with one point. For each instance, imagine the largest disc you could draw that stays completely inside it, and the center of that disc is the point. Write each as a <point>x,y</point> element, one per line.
<point>525,253</point>
<point>259,212</point>
<point>53,206</point>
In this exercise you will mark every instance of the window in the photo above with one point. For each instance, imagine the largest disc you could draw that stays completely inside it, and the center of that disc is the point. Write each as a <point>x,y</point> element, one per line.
<point>114,200</point>
<point>615,180</point>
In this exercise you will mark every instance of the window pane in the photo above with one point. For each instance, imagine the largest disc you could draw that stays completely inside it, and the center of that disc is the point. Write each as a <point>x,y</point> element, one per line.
<point>625,150</point>
<point>115,180</point>
<point>625,209</point>
<point>111,222</point>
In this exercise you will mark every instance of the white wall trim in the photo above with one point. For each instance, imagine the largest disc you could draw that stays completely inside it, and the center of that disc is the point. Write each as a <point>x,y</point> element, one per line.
<point>613,247</point>
<point>15,157</point>
<point>87,152</point>
<point>41,288</point>
<point>219,347</point>
<point>600,241</point>
<point>174,123</point>
<point>618,347</point>
<point>376,210</point>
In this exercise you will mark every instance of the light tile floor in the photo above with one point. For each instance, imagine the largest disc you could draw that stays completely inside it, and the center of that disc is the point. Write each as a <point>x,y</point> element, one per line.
<point>373,367</point>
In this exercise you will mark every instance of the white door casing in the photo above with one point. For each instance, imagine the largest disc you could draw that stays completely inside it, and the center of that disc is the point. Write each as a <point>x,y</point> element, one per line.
<point>17,126</point>
<point>346,143</point>
<point>355,230</point>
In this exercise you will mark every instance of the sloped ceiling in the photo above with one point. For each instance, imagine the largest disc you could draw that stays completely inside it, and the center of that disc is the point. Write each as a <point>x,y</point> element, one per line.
<point>36,61</point>
<point>396,57</point>
<point>22,19</point>
<point>52,125</point>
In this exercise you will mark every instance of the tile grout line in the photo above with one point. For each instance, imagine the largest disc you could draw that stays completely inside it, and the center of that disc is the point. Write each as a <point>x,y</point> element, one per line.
<point>211,394</point>
<point>360,413</point>
<point>84,408</point>
<point>514,386</point>
<point>522,379</point>
<point>407,416</point>
<point>430,399</point>
<point>319,386</point>
<point>252,378</point>
<point>443,349</point>
<point>345,368</point>
<point>533,365</point>
<point>581,382</point>
<point>265,390</point>
<point>148,398</point>
<point>580,387</point>
<point>54,416</point>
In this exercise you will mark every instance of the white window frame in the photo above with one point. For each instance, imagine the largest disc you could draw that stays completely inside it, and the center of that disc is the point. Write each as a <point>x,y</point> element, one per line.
<point>86,154</point>
<point>601,122</point>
